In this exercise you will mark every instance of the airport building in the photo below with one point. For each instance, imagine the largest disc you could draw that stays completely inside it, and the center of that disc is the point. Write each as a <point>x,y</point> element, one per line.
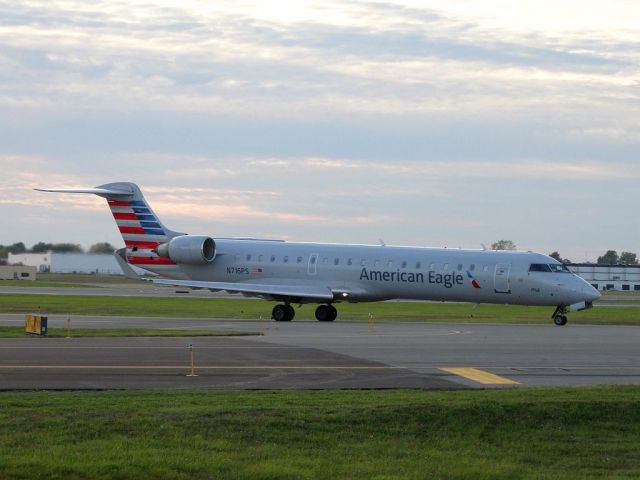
<point>17,272</point>
<point>625,278</point>
<point>68,262</point>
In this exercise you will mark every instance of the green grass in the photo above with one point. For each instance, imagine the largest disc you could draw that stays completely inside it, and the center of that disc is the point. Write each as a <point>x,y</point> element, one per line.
<point>252,309</point>
<point>84,278</point>
<point>14,332</point>
<point>583,433</point>
<point>39,284</point>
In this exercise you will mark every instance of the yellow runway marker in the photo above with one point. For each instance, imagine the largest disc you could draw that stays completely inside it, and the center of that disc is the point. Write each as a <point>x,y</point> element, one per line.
<point>480,376</point>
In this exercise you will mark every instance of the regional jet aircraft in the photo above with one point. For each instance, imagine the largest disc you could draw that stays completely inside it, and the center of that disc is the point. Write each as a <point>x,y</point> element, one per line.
<point>327,274</point>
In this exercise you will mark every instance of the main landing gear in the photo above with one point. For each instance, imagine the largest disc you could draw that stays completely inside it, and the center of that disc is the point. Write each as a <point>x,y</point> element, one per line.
<point>285,313</point>
<point>326,313</point>
<point>559,317</point>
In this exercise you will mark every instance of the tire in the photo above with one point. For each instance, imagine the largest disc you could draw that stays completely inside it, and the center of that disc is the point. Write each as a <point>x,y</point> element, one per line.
<point>333,313</point>
<point>280,313</point>
<point>323,313</point>
<point>560,320</point>
<point>291,312</point>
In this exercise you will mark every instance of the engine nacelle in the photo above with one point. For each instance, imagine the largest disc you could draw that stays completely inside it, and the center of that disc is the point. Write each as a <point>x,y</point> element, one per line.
<point>190,249</point>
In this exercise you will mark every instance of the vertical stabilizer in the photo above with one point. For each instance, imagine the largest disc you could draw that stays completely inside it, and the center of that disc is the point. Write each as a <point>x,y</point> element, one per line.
<point>141,229</point>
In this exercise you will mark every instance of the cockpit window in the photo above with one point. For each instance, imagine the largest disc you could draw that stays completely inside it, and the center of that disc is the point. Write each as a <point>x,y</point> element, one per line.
<point>553,267</point>
<point>559,268</point>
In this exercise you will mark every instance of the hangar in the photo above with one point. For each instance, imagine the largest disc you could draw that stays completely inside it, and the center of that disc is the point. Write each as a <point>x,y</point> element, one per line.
<point>17,272</point>
<point>68,262</point>
<point>609,277</point>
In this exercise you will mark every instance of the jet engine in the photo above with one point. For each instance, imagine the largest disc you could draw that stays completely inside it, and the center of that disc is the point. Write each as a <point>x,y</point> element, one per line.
<point>190,249</point>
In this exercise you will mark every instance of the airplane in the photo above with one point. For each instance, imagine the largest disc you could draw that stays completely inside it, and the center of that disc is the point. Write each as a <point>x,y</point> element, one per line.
<point>328,274</point>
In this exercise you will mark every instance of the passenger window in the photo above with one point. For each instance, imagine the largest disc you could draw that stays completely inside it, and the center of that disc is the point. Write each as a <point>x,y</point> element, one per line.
<point>313,260</point>
<point>472,267</point>
<point>404,264</point>
<point>459,267</point>
<point>349,262</point>
<point>261,258</point>
<point>376,264</point>
<point>432,266</point>
<point>273,258</point>
<point>299,259</point>
<point>390,264</point>
<point>325,260</point>
<point>285,259</point>
<point>336,261</point>
<point>363,262</point>
<point>418,265</point>
<point>249,258</point>
<point>446,266</point>
<point>485,268</point>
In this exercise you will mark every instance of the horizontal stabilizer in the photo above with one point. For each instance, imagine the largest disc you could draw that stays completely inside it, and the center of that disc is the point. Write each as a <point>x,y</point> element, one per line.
<point>103,192</point>
<point>310,292</point>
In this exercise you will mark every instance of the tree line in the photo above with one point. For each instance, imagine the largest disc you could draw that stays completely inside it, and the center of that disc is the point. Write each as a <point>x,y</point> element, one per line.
<point>43,247</point>
<point>611,257</point>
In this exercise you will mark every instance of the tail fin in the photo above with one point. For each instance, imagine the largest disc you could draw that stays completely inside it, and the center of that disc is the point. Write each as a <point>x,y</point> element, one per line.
<point>141,229</point>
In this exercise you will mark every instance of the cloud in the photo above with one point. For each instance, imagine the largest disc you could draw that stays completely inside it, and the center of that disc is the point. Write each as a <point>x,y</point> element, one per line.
<point>421,120</point>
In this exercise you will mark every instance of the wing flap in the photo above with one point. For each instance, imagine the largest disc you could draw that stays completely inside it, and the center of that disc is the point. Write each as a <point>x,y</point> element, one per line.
<point>316,293</point>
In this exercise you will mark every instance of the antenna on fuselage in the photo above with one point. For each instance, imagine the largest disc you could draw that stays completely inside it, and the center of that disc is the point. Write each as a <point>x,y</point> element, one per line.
<point>382,244</point>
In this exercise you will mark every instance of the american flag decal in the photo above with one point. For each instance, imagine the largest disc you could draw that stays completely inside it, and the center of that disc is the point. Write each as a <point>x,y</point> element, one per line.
<point>256,271</point>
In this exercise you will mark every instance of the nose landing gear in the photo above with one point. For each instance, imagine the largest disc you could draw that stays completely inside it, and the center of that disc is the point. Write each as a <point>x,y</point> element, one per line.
<point>559,317</point>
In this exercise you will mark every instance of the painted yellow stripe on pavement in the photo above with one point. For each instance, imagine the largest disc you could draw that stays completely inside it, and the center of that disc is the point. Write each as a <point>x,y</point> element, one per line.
<point>480,376</point>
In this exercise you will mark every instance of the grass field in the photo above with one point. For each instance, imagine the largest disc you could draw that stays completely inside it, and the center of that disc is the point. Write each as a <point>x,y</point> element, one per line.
<point>252,309</point>
<point>582,433</point>
<point>15,332</point>
<point>40,284</point>
<point>84,278</point>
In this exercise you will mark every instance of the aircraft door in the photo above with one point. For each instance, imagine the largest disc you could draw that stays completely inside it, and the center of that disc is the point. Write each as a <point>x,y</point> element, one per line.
<point>501,278</point>
<point>313,264</point>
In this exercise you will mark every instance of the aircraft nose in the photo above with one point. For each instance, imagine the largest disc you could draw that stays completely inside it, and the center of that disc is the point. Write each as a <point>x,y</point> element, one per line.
<point>590,293</point>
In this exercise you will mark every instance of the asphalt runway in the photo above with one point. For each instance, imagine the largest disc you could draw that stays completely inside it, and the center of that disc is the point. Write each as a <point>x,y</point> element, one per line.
<point>302,355</point>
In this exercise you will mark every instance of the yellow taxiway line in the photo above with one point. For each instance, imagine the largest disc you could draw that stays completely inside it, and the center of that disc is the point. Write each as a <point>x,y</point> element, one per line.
<point>480,376</point>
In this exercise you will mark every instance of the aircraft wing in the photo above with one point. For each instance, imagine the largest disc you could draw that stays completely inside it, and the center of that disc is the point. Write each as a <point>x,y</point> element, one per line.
<point>291,291</point>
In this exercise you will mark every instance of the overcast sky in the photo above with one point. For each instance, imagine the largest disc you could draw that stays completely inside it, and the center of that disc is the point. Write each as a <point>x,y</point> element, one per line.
<point>433,123</point>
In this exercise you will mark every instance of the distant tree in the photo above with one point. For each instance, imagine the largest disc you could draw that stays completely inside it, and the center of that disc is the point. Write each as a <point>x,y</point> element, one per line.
<point>66,248</point>
<point>41,247</point>
<point>16,248</point>
<point>628,258</point>
<point>102,247</point>
<point>559,258</point>
<point>609,258</point>
<point>503,245</point>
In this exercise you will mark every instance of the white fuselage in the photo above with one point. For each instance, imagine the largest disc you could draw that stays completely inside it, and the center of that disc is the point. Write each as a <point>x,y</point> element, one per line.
<point>358,273</point>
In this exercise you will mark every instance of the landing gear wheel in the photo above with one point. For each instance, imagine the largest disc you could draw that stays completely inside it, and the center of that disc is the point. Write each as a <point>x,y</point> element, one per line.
<point>326,313</point>
<point>291,311</point>
<point>282,313</point>
<point>560,320</point>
